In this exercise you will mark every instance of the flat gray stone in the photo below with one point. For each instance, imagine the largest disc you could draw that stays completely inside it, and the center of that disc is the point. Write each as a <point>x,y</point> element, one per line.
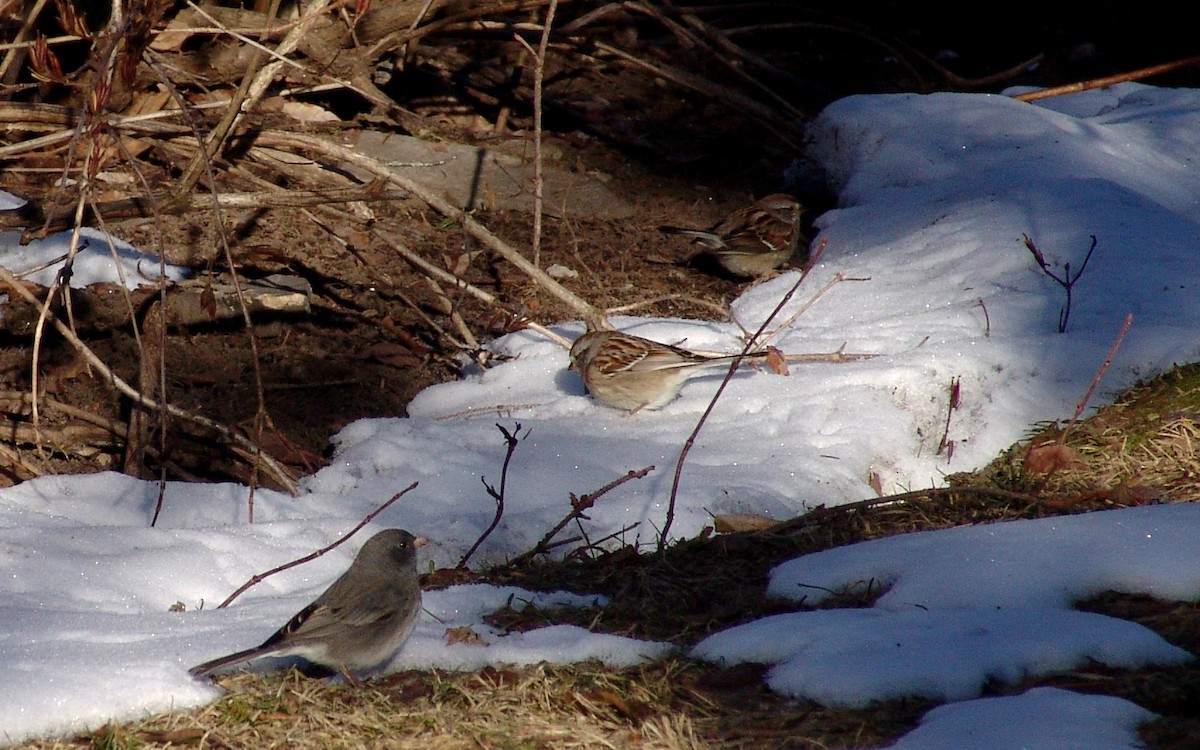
<point>471,176</point>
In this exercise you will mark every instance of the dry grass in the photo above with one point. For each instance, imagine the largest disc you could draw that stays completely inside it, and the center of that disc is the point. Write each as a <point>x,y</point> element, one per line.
<point>671,705</point>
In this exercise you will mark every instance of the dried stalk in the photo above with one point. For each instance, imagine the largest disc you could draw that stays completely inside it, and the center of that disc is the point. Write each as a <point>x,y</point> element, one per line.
<point>430,269</point>
<point>1099,83</point>
<point>511,440</point>
<point>335,152</point>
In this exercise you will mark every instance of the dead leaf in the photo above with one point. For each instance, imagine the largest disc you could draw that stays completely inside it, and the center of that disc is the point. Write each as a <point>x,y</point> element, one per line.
<point>498,678</point>
<point>459,265</point>
<point>393,355</point>
<point>208,302</point>
<point>777,361</point>
<point>1130,493</point>
<point>1045,459</point>
<point>728,523</point>
<point>465,636</point>
<point>306,112</point>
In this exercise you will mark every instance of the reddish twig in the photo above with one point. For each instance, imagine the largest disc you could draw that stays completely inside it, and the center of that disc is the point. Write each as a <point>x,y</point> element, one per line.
<point>1066,281</point>
<point>1099,83</point>
<point>259,577</point>
<point>1108,360</point>
<point>578,553</point>
<point>987,320</point>
<point>1058,454</point>
<point>947,445</point>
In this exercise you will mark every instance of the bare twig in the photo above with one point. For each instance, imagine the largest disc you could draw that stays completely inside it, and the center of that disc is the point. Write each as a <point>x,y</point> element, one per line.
<point>788,131</point>
<point>987,319</point>
<point>260,577</point>
<point>593,544</point>
<point>726,53</point>
<point>440,273</point>
<point>539,70</point>
<point>1108,360</point>
<point>947,445</point>
<point>578,506</point>
<point>510,442</point>
<point>639,304</point>
<point>1049,457</point>
<point>9,67</point>
<point>254,83</point>
<point>1066,281</point>
<point>751,343</point>
<point>822,513</point>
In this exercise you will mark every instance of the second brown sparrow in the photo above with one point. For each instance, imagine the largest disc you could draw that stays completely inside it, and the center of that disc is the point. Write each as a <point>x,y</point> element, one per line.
<point>632,373</point>
<point>753,240</point>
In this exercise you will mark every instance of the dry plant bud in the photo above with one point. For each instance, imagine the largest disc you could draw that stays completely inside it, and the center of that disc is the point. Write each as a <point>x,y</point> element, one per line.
<point>1037,254</point>
<point>70,21</point>
<point>44,64</point>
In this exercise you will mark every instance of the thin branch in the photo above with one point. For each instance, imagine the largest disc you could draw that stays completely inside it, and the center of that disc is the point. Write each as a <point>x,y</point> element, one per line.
<point>1066,281</point>
<point>751,344</point>
<point>1108,360</point>
<point>510,441</point>
<point>429,268</point>
<point>539,70</point>
<point>954,397</point>
<point>578,506</point>
<point>584,309</point>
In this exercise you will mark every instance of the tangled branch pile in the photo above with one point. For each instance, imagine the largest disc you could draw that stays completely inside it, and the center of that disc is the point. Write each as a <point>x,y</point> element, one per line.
<point>184,127</point>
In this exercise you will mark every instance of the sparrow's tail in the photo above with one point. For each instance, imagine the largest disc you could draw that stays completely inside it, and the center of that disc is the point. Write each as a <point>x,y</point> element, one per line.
<point>708,239</point>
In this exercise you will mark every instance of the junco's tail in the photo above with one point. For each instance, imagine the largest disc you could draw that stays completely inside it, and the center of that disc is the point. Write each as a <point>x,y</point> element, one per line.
<point>227,661</point>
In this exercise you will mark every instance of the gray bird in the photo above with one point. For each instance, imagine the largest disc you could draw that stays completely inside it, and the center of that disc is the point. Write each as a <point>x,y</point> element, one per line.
<point>360,622</point>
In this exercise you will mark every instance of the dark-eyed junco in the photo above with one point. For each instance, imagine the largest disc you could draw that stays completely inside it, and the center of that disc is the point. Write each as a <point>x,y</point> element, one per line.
<point>633,373</point>
<point>360,621</point>
<point>753,240</point>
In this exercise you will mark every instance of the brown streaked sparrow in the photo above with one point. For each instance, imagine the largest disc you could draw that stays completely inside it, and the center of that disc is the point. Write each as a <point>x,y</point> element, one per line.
<point>361,620</point>
<point>753,240</point>
<point>632,373</point>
